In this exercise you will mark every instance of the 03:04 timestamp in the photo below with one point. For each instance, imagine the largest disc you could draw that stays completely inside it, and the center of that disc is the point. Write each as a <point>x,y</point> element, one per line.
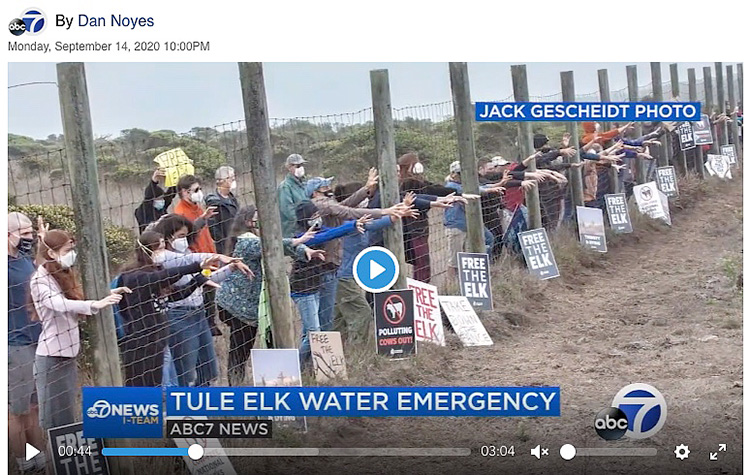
<point>497,451</point>
<point>170,46</point>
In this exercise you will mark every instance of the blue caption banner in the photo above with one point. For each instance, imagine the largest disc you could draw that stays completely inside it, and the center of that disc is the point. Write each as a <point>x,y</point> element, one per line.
<point>116,412</point>
<point>587,111</point>
<point>365,401</point>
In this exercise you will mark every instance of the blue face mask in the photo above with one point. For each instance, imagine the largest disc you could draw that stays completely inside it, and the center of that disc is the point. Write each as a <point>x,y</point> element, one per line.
<point>159,204</point>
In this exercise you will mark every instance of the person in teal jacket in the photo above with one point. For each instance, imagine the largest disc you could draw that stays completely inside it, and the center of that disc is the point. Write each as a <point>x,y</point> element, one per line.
<point>292,192</point>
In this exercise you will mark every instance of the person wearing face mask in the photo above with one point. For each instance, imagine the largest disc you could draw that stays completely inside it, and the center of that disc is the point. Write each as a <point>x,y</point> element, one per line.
<point>58,303</point>
<point>156,200</point>
<point>23,409</point>
<point>226,204</point>
<point>190,341</point>
<point>291,192</point>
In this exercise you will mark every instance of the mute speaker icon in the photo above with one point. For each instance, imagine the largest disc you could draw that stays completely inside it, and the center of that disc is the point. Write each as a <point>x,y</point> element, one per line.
<point>537,452</point>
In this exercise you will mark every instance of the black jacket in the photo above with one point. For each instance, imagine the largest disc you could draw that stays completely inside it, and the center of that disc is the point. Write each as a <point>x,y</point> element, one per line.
<point>145,213</point>
<point>220,225</point>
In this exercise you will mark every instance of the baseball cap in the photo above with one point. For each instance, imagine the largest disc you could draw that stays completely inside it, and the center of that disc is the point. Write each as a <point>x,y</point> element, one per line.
<point>315,183</point>
<point>499,161</point>
<point>455,167</point>
<point>295,159</point>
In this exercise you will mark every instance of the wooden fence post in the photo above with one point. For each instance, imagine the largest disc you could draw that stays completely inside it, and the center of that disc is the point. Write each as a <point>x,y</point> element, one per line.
<point>614,176</point>
<point>462,111</point>
<point>698,150</point>
<point>709,90</point>
<point>665,151</point>
<point>734,127</point>
<point>720,102</point>
<point>526,143</point>
<point>740,154</point>
<point>267,202</point>
<point>567,82</point>
<point>674,78</point>
<point>385,145</point>
<point>93,264</point>
<point>632,74</point>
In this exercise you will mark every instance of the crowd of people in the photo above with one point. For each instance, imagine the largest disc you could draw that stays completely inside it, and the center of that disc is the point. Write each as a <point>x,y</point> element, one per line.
<point>201,263</point>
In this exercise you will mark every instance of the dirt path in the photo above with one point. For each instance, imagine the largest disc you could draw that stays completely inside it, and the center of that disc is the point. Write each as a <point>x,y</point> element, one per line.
<point>663,310</point>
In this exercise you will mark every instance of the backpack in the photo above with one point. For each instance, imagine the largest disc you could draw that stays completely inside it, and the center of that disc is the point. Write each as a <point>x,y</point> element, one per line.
<point>117,282</point>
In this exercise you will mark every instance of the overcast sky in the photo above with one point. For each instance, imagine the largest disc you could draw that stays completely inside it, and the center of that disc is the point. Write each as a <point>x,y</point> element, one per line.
<point>180,96</point>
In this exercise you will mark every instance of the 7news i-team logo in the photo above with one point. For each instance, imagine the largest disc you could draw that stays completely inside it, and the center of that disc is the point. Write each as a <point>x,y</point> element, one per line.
<point>122,412</point>
<point>32,22</point>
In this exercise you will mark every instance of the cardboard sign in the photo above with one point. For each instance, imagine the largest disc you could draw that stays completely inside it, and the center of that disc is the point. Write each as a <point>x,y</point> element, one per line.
<point>474,278</point>
<point>538,254</point>
<point>686,135</point>
<point>465,321</point>
<point>328,356</point>
<point>591,228</point>
<point>176,164</point>
<point>428,324</point>
<point>74,454</point>
<point>718,165</point>
<point>650,201</point>
<point>702,131</point>
<point>618,213</point>
<point>728,151</point>
<point>213,465</point>
<point>667,181</point>
<point>278,367</point>
<point>394,323</point>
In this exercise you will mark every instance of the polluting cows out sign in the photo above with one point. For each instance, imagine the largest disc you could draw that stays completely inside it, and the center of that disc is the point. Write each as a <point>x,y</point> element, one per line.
<point>686,135</point>
<point>428,324</point>
<point>474,277</point>
<point>617,211</point>
<point>74,454</point>
<point>652,202</point>
<point>538,254</point>
<point>591,228</point>
<point>702,131</point>
<point>465,321</point>
<point>728,151</point>
<point>667,181</point>
<point>327,355</point>
<point>394,323</point>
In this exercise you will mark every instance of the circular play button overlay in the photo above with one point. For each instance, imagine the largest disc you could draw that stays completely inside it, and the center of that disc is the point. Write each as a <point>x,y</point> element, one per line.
<point>375,269</point>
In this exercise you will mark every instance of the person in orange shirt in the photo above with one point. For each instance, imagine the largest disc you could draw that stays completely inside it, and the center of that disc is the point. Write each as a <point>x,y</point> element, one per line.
<point>191,197</point>
<point>592,130</point>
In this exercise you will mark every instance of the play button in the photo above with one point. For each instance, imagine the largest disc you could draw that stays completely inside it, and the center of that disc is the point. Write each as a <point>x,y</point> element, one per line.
<point>375,269</point>
<point>31,452</point>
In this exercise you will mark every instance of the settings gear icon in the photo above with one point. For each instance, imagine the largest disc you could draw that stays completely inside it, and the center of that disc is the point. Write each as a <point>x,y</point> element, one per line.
<point>681,452</point>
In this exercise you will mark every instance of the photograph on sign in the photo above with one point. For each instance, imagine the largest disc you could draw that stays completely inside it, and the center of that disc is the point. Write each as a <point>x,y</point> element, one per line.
<point>647,197</point>
<point>278,367</point>
<point>465,321</point>
<point>618,213</point>
<point>686,136</point>
<point>729,152</point>
<point>667,181</point>
<point>538,254</point>
<point>428,324</point>
<point>591,228</point>
<point>79,455</point>
<point>217,464</point>
<point>394,323</point>
<point>702,131</point>
<point>474,278</point>
<point>328,356</point>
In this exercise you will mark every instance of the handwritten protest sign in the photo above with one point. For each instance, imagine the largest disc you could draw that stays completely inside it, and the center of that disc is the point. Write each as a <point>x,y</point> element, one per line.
<point>591,228</point>
<point>328,356</point>
<point>474,277</point>
<point>427,320</point>
<point>718,165</point>
<point>667,181</point>
<point>617,211</point>
<point>538,254</point>
<point>652,202</point>
<point>686,135</point>
<point>728,151</point>
<point>702,131</point>
<point>465,321</point>
<point>394,323</point>
<point>176,164</point>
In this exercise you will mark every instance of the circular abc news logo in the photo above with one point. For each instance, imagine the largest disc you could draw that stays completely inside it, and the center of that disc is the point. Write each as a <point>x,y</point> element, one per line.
<point>638,411</point>
<point>32,22</point>
<point>611,423</point>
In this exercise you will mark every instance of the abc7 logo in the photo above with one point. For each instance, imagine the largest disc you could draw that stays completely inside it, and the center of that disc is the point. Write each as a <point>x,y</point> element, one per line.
<point>31,22</point>
<point>611,423</point>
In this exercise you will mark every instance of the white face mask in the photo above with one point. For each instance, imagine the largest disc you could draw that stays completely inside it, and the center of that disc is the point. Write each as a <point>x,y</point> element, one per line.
<point>159,204</point>
<point>233,186</point>
<point>68,260</point>
<point>299,172</point>
<point>418,168</point>
<point>197,197</point>
<point>180,245</point>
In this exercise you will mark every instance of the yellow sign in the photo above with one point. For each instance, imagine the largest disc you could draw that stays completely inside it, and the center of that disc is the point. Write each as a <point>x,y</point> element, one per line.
<point>175,163</point>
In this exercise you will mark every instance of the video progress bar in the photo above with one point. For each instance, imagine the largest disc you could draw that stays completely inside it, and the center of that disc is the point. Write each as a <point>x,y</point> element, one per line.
<point>338,452</point>
<point>615,452</point>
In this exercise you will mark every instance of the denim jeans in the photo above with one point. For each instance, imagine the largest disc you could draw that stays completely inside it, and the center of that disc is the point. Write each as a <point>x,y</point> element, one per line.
<point>489,240</point>
<point>327,294</point>
<point>169,373</point>
<point>192,347</point>
<point>309,307</point>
